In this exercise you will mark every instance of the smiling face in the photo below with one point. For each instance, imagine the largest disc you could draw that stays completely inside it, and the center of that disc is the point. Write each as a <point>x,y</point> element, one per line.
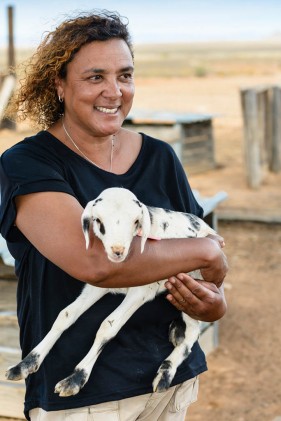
<point>98,89</point>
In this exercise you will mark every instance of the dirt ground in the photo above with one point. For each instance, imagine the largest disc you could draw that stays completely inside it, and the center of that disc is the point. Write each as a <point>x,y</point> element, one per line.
<point>243,381</point>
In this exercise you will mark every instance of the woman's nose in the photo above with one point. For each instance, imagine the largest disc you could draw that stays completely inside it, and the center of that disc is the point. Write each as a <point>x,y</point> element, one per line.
<point>112,89</point>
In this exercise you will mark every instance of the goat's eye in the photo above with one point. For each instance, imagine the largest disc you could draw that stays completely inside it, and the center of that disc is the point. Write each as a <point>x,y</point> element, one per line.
<point>98,220</point>
<point>137,222</point>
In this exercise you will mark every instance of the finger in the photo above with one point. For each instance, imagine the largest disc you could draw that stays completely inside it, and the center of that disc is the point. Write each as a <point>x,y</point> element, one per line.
<point>190,284</point>
<point>180,292</point>
<point>177,304</point>
<point>184,287</point>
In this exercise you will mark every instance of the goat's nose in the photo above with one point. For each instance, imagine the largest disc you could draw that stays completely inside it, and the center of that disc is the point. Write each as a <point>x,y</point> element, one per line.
<point>118,250</point>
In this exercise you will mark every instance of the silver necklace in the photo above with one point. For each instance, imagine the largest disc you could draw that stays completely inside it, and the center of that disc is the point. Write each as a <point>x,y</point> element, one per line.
<point>85,156</point>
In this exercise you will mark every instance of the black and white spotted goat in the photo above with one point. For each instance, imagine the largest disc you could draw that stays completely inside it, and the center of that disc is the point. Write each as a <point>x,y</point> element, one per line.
<point>116,216</point>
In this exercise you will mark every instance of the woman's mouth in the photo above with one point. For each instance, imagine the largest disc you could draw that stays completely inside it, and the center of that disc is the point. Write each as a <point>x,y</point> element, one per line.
<point>107,110</point>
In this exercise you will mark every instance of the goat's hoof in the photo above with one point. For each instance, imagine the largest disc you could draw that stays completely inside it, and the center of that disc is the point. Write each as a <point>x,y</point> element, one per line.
<point>72,384</point>
<point>160,383</point>
<point>28,365</point>
<point>163,378</point>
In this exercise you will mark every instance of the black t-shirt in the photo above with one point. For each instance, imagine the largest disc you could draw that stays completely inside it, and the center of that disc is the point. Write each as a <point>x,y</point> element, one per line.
<point>128,363</point>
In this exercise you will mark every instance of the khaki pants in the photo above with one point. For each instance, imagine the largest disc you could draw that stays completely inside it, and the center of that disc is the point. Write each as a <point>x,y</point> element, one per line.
<point>167,406</point>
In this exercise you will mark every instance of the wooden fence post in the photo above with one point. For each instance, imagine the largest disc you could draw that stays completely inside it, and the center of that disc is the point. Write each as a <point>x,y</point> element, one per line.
<point>8,85</point>
<point>252,138</point>
<point>275,164</point>
<point>11,49</point>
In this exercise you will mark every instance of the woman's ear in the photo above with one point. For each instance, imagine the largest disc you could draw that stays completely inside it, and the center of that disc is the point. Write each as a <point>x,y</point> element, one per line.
<point>59,87</point>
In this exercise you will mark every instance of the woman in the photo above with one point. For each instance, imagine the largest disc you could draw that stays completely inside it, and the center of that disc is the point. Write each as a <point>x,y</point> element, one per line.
<point>79,88</point>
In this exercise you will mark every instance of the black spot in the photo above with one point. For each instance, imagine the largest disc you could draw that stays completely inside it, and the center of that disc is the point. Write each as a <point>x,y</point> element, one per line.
<point>100,225</point>
<point>150,211</point>
<point>186,352</point>
<point>30,360</point>
<point>166,365</point>
<point>97,200</point>
<point>86,224</point>
<point>193,220</point>
<point>77,378</point>
<point>165,225</point>
<point>177,330</point>
<point>102,228</point>
<point>165,381</point>
<point>191,233</point>
<point>137,202</point>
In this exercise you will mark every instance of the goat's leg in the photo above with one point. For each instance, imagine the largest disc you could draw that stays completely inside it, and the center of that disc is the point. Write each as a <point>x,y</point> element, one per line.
<point>183,334</point>
<point>109,328</point>
<point>66,318</point>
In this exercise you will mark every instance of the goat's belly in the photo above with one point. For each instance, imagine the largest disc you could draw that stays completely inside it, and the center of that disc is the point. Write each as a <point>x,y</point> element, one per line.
<point>118,291</point>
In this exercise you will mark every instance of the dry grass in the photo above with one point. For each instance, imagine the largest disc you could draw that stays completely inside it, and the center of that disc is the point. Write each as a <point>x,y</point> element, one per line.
<point>194,59</point>
<point>203,59</point>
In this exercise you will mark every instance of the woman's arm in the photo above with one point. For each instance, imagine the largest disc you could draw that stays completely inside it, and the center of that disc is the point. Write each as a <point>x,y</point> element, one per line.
<point>52,223</point>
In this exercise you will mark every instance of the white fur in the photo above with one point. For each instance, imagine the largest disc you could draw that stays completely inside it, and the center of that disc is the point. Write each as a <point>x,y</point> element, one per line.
<point>116,216</point>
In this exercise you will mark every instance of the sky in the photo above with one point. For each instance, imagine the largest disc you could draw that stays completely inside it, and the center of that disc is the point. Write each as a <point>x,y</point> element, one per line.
<point>158,21</point>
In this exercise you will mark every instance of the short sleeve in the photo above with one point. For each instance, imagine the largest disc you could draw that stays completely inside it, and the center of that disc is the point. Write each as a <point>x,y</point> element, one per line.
<point>25,169</point>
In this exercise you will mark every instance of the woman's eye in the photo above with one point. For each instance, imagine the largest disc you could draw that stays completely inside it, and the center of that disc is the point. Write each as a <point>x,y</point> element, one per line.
<point>96,77</point>
<point>127,76</point>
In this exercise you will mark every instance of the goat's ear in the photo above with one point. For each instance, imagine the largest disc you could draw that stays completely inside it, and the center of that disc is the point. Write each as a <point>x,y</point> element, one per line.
<point>146,226</point>
<point>86,219</point>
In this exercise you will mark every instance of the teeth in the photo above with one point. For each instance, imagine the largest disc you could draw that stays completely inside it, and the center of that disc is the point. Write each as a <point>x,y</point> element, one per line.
<point>107,110</point>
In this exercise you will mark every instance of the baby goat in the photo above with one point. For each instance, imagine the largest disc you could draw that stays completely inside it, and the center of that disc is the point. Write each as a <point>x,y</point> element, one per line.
<point>116,216</point>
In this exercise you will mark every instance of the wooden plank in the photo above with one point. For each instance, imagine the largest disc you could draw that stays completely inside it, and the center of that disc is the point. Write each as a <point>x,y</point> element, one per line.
<point>198,151</point>
<point>208,340</point>
<point>12,400</point>
<point>197,138</point>
<point>251,135</point>
<point>276,129</point>
<point>168,133</point>
<point>11,393</point>
<point>198,167</point>
<point>6,92</point>
<point>242,215</point>
<point>11,47</point>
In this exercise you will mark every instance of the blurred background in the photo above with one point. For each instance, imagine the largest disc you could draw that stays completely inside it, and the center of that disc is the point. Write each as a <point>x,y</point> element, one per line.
<point>208,77</point>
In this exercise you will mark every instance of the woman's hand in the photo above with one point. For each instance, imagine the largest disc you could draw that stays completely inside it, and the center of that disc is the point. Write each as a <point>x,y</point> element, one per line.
<point>199,299</point>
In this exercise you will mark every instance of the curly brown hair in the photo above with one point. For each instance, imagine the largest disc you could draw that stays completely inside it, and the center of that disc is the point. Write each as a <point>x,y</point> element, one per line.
<point>36,98</point>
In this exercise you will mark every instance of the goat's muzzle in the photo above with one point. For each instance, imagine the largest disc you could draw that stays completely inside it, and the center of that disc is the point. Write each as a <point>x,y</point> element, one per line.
<point>117,253</point>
